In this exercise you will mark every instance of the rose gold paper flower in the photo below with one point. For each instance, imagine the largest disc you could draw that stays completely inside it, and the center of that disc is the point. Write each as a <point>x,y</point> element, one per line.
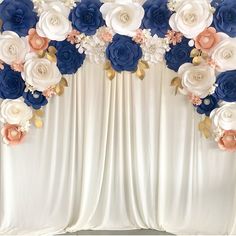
<point>72,36</point>
<point>12,134</point>
<point>174,37</point>
<point>48,93</point>
<point>19,67</point>
<point>36,42</point>
<point>195,100</point>
<point>105,34</point>
<point>228,141</point>
<point>207,39</point>
<point>139,37</point>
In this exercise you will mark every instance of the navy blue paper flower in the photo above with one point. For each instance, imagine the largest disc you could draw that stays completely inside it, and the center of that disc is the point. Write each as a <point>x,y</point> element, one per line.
<point>156,17</point>
<point>18,16</point>
<point>12,85</point>
<point>69,60</point>
<point>123,53</point>
<point>226,89</point>
<point>86,16</point>
<point>225,17</point>
<point>178,55</point>
<point>35,99</point>
<point>209,103</point>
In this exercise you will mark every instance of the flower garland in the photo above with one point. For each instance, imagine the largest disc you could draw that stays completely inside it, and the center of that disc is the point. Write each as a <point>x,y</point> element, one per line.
<point>42,40</point>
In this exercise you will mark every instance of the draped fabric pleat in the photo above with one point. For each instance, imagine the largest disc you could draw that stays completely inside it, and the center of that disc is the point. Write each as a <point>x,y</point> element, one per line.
<point>118,155</point>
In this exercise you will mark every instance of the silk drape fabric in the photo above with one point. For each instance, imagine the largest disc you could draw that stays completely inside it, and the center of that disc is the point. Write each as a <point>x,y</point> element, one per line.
<point>118,155</point>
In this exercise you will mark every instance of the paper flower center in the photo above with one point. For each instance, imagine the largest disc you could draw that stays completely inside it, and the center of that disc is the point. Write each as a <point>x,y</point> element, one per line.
<point>12,50</point>
<point>42,69</point>
<point>55,20</point>
<point>190,18</point>
<point>207,102</point>
<point>124,17</point>
<point>227,54</point>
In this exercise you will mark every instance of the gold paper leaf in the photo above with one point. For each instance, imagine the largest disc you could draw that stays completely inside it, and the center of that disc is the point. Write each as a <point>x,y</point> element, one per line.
<point>64,82</point>
<point>176,82</point>
<point>38,123</point>
<point>143,64</point>
<point>52,50</point>
<point>197,61</point>
<point>204,55</point>
<point>51,57</point>
<point>107,65</point>
<point>39,112</point>
<point>140,73</point>
<point>195,52</point>
<point>111,74</point>
<point>41,54</point>
<point>205,127</point>
<point>59,90</point>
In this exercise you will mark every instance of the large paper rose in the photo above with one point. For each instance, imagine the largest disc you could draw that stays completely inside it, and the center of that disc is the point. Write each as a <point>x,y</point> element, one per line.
<point>12,134</point>
<point>54,24</point>
<point>123,53</point>
<point>156,17</point>
<point>86,16</point>
<point>178,55</point>
<point>15,112</point>
<point>18,16</point>
<point>226,89</point>
<point>69,60</point>
<point>13,49</point>
<point>192,17</point>
<point>35,99</point>
<point>228,141</point>
<point>11,84</point>
<point>123,17</point>
<point>224,117</point>
<point>208,104</point>
<point>224,55</point>
<point>40,73</point>
<point>225,17</point>
<point>197,79</point>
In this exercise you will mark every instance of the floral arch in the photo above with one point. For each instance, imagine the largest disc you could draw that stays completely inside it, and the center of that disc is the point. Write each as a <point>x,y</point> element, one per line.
<point>42,40</point>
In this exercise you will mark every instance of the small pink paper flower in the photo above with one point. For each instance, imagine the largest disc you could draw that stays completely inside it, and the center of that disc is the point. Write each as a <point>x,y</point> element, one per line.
<point>228,141</point>
<point>72,36</point>
<point>12,134</point>
<point>139,37</point>
<point>36,42</point>
<point>19,67</point>
<point>48,93</point>
<point>195,100</point>
<point>174,37</point>
<point>105,35</point>
<point>207,39</point>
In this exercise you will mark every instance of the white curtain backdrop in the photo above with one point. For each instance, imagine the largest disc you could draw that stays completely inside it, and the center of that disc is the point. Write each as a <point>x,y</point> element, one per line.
<point>117,155</point>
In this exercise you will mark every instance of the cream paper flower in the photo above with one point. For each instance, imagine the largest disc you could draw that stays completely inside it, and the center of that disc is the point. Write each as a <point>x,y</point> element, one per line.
<point>13,49</point>
<point>197,80</point>
<point>40,73</point>
<point>191,17</point>
<point>224,117</point>
<point>53,22</point>
<point>15,112</point>
<point>224,55</point>
<point>123,17</point>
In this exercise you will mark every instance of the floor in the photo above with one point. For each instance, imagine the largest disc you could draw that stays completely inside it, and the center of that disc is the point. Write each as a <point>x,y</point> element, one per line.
<point>129,232</point>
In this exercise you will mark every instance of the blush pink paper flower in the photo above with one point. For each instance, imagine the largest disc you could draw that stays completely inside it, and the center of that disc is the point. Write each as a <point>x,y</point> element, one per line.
<point>195,100</point>
<point>12,134</point>
<point>72,36</point>
<point>105,35</point>
<point>48,93</point>
<point>174,37</point>
<point>207,39</point>
<point>19,67</point>
<point>139,37</point>
<point>228,141</point>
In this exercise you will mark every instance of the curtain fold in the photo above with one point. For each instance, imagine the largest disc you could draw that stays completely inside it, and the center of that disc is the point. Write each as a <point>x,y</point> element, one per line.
<point>117,155</point>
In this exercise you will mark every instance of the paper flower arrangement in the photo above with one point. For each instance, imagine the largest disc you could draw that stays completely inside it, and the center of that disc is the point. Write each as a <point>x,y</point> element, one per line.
<point>41,41</point>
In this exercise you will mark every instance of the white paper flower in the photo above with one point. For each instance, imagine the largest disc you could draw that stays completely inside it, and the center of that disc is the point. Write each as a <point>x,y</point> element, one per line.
<point>224,117</point>
<point>13,49</point>
<point>40,73</point>
<point>192,17</point>
<point>15,112</point>
<point>53,22</point>
<point>154,49</point>
<point>124,17</point>
<point>224,55</point>
<point>197,80</point>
